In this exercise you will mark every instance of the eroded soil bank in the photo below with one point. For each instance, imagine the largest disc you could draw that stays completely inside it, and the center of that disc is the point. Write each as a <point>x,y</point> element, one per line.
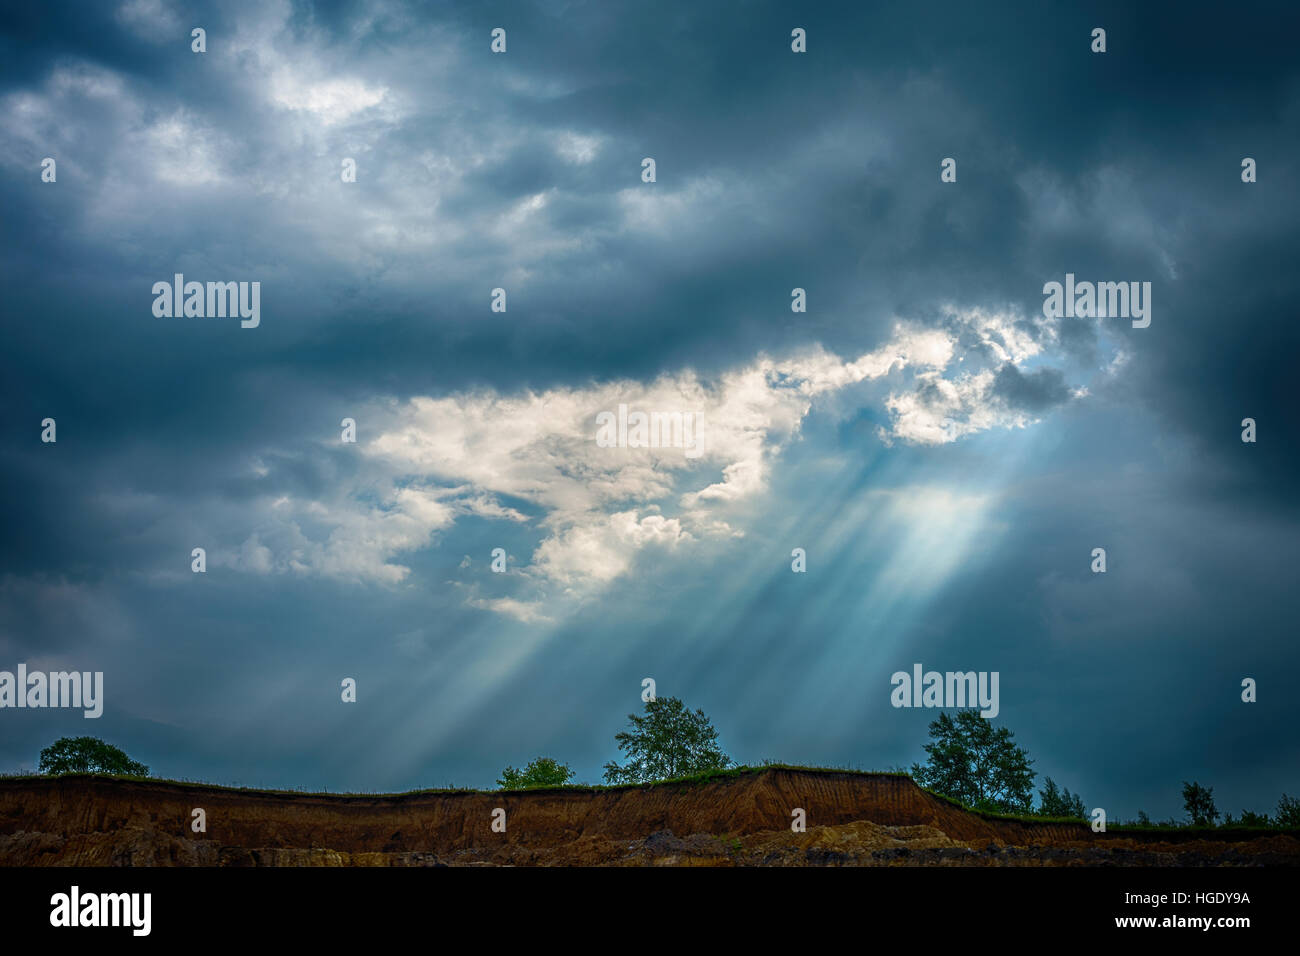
<point>852,819</point>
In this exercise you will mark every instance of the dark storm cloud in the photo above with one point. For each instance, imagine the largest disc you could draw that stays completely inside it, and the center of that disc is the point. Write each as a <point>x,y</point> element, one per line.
<point>1033,391</point>
<point>775,171</point>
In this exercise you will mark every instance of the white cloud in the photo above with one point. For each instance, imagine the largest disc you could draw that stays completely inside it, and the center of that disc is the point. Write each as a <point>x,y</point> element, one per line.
<point>332,100</point>
<point>937,409</point>
<point>942,410</point>
<point>595,509</point>
<point>596,548</point>
<point>184,153</point>
<point>529,612</point>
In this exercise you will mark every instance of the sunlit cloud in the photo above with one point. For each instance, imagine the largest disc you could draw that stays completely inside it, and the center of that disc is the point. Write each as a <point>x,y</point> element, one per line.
<point>597,511</point>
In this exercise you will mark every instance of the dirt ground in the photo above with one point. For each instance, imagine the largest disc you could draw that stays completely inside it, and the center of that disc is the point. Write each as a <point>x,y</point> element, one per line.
<point>852,820</point>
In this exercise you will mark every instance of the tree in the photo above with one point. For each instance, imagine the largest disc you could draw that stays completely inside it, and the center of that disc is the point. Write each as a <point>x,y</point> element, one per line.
<point>668,741</point>
<point>1198,801</point>
<point>542,772</point>
<point>1055,803</point>
<point>1288,812</point>
<point>88,755</point>
<point>976,764</point>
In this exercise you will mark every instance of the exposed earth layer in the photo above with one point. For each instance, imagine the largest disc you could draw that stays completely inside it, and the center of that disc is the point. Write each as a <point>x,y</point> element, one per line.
<point>855,819</point>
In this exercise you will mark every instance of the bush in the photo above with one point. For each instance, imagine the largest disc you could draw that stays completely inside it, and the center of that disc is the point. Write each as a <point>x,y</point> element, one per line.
<point>542,772</point>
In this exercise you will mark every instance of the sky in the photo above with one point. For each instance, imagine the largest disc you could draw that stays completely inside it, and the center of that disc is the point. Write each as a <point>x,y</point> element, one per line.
<point>946,453</point>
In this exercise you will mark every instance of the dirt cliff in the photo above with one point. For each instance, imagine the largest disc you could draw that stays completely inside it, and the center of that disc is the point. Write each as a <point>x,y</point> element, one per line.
<point>852,818</point>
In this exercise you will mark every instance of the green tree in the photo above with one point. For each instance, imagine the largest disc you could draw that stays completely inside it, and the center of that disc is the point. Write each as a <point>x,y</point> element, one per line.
<point>971,761</point>
<point>88,755</point>
<point>667,741</point>
<point>1249,818</point>
<point>1198,801</point>
<point>1288,812</point>
<point>542,772</point>
<point>1054,802</point>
